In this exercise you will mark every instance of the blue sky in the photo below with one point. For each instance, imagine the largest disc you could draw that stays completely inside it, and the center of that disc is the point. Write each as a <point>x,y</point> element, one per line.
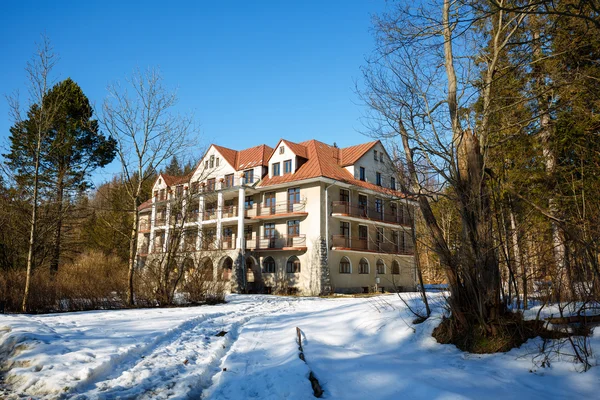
<point>250,71</point>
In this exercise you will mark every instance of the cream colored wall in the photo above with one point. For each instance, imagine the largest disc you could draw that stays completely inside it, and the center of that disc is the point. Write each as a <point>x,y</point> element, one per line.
<point>355,281</point>
<point>280,158</point>
<point>224,168</point>
<point>371,166</point>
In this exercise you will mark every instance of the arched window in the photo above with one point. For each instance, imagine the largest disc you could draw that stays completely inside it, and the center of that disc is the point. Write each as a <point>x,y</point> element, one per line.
<point>227,269</point>
<point>269,265</point>
<point>293,265</point>
<point>380,267</point>
<point>395,268</point>
<point>363,266</point>
<point>345,266</point>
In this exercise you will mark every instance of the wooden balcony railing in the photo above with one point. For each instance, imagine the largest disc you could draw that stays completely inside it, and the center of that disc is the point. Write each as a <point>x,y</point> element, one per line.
<point>400,217</point>
<point>280,242</point>
<point>345,242</point>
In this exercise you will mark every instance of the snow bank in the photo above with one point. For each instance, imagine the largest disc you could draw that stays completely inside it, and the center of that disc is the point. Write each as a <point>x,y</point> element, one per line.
<point>357,347</point>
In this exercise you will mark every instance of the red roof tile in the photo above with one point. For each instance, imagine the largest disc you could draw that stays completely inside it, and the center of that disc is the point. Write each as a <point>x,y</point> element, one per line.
<point>229,154</point>
<point>253,157</point>
<point>351,154</point>
<point>324,161</point>
<point>145,205</point>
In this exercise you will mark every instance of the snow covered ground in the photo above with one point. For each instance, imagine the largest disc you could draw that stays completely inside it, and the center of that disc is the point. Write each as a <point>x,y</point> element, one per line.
<point>358,348</point>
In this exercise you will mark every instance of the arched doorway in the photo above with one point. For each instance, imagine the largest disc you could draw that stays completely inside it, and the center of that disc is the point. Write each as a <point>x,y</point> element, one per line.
<point>253,276</point>
<point>226,269</point>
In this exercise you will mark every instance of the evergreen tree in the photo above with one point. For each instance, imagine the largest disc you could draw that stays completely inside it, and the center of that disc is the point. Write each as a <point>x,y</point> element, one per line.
<point>174,168</point>
<point>72,147</point>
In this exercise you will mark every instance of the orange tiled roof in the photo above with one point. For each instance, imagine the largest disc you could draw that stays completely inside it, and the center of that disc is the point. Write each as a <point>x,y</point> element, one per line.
<point>298,149</point>
<point>171,180</point>
<point>350,155</point>
<point>325,161</point>
<point>252,157</point>
<point>145,205</point>
<point>229,154</point>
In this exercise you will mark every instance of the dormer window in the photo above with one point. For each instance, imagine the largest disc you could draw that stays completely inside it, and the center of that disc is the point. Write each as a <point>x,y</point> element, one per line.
<point>212,161</point>
<point>276,169</point>
<point>217,164</point>
<point>375,154</point>
<point>159,181</point>
<point>393,183</point>
<point>287,167</point>
<point>281,149</point>
<point>362,174</point>
<point>381,157</point>
<point>378,178</point>
<point>206,164</point>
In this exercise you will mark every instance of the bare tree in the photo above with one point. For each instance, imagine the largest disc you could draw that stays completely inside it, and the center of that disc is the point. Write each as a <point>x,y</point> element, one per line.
<point>35,123</point>
<point>140,117</point>
<point>431,84</point>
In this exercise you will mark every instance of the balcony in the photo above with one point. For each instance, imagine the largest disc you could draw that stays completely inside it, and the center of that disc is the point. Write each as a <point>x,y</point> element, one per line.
<point>341,242</point>
<point>277,210</point>
<point>343,208</point>
<point>281,242</point>
<point>145,226</point>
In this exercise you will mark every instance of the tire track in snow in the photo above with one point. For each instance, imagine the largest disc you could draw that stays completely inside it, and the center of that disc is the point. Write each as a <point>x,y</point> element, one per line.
<point>181,364</point>
<point>119,363</point>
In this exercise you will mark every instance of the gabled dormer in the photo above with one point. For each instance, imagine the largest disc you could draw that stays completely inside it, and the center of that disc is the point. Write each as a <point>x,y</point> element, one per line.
<point>287,157</point>
<point>217,162</point>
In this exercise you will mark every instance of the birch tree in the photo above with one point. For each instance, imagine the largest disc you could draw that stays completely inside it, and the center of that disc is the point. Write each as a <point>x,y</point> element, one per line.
<point>140,115</point>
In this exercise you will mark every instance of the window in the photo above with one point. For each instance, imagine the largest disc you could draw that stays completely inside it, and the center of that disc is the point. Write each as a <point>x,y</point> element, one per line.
<point>393,183</point>
<point>381,157</point>
<point>287,167</point>
<point>270,202</point>
<point>293,265</point>
<point>293,227</point>
<point>362,174</point>
<point>217,162</point>
<point>269,265</point>
<point>212,161</point>
<point>344,195</point>
<point>206,164</point>
<point>293,198</point>
<point>395,268</point>
<point>363,232</point>
<point>194,187</point>
<point>179,191</point>
<point>248,176</point>
<point>345,229</point>
<point>379,206</point>
<point>276,169</point>
<point>159,181</point>
<point>379,238</point>
<point>345,266</point>
<point>393,209</point>
<point>395,241</point>
<point>211,185</point>
<point>281,149</point>
<point>380,267</point>
<point>163,194</point>
<point>362,204</point>
<point>378,178</point>
<point>249,202</point>
<point>270,230</point>
<point>248,232</point>
<point>375,154</point>
<point>229,180</point>
<point>156,193</point>
<point>363,266</point>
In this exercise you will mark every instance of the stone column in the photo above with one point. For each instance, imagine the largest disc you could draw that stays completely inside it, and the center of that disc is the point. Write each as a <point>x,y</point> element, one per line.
<point>220,204</point>
<point>241,241</point>
<point>168,222</point>
<point>152,224</point>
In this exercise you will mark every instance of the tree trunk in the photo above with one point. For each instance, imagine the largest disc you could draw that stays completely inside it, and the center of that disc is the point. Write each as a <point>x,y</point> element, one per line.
<point>132,255</point>
<point>33,228</point>
<point>517,252</point>
<point>57,230</point>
